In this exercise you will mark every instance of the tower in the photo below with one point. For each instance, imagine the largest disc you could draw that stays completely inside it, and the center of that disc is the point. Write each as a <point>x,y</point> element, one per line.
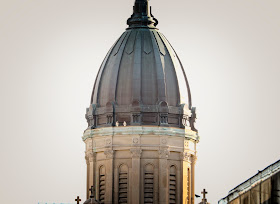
<point>141,140</point>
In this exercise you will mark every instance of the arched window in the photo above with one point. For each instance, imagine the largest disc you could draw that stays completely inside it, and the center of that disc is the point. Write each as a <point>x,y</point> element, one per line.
<point>123,184</point>
<point>172,185</point>
<point>149,184</point>
<point>102,182</point>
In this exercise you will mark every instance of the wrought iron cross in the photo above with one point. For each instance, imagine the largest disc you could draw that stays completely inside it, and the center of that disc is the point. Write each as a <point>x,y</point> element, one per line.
<point>204,192</point>
<point>78,199</point>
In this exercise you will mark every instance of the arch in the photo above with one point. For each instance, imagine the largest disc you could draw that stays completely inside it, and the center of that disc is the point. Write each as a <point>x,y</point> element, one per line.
<point>123,184</point>
<point>163,104</point>
<point>149,167</point>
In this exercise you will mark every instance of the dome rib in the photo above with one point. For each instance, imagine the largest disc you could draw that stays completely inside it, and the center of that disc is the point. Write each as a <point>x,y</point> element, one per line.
<point>137,68</point>
<point>107,90</point>
<point>176,68</point>
<point>160,75</point>
<point>183,72</point>
<point>94,99</point>
<point>124,90</point>
<point>118,65</point>
<point>172,86</point>
<point>149,89</point>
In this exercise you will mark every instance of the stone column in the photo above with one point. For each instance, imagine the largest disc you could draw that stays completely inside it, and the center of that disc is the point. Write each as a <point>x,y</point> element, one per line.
<point>163,176</point>
<point>193,162</point>
<point>87,187</point>
<point>135,187</point>
<point>109,153</point>
<point>90,157</point>
<point>186,185</point>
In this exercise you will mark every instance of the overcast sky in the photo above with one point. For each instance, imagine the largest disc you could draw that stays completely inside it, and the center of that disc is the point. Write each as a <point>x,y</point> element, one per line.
<point>50,52</point>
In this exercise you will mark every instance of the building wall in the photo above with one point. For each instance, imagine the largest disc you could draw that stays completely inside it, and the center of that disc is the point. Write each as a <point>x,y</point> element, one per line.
<point>263,192</point>
<point>141,164</point>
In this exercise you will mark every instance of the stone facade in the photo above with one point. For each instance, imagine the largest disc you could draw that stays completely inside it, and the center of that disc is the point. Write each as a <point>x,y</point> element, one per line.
<point>138,164</point>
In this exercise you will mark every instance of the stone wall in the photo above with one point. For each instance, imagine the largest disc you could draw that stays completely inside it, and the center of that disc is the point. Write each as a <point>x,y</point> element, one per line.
<point>141,164</point>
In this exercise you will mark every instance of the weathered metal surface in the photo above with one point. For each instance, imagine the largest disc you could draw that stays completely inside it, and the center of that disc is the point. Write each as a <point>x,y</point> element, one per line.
<point>141,80</point>
<point>142,16</point>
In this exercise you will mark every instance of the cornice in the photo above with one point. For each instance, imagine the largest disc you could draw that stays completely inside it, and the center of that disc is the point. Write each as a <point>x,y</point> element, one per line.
<point>141,130</point>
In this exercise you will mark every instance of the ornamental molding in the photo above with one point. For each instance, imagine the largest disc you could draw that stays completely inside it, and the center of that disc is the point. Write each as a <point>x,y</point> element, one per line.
<point>141,130</point>
<point>90,156</point>
<point>108,142</point>
<point>136,153</point>
<point>109,153</point>
<point>185,156</point>
<point>164,153</point>
<point>136,140</point>
<point>194,159</point>
<point>163,141</point>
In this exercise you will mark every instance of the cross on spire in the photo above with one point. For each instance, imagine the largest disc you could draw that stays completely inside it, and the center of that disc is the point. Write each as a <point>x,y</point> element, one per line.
<point>78,200</point>
<point>204,192</point>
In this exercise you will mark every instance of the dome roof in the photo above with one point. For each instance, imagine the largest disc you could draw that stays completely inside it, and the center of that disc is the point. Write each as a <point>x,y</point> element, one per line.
<point>141,80</point>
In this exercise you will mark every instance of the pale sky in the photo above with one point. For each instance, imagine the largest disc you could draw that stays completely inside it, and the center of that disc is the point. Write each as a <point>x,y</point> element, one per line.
<point>51,51</point>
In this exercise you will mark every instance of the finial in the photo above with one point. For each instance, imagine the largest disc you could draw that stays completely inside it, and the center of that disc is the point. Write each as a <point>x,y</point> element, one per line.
<point>142,16</point>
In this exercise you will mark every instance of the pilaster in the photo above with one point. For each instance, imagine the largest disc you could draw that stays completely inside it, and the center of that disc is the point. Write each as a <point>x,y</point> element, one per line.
<point>163,176</point>
<point>135,175</point>
<point>90,158</point>
<point>193,162</point>
<point>109,153</point>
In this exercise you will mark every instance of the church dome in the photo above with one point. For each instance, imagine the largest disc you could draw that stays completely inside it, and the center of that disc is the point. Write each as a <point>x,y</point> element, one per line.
<point>141,80</point>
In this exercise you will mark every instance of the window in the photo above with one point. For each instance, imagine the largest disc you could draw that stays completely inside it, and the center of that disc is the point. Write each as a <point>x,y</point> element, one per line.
<point>102,181</point>
<point>172,185</point>
<point>149,184</point>
<point>123,184</point>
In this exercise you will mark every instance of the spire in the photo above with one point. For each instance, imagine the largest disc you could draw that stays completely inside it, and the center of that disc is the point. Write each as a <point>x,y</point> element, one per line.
<point>142,16</point>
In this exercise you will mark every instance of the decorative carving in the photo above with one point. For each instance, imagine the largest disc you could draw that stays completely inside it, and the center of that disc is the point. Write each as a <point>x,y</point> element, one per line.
<point>185,121</point>
<point>185,156</point>
<point>194,159</point>
<point>109,153</point>
<point>136,153</point>
<point>108,142</point>
<point>124,124</point>
<point>135,140</point>
<point>109,119</point>
<point>90,118</point>
<point>164,119</point>
<point>164,141</point>
<point>90,156</point>
<point>136,118</point>
<point>186,144</point>
<point>164,153</point>
<point>193,119</point>
<point>90,145</point>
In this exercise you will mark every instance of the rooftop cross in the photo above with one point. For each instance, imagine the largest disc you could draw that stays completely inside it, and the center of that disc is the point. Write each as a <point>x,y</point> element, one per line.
<point>78,199</point>
<point>204,192</point>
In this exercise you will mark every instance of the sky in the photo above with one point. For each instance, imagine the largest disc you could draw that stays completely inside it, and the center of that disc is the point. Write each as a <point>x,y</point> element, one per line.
<point>51,50</point>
